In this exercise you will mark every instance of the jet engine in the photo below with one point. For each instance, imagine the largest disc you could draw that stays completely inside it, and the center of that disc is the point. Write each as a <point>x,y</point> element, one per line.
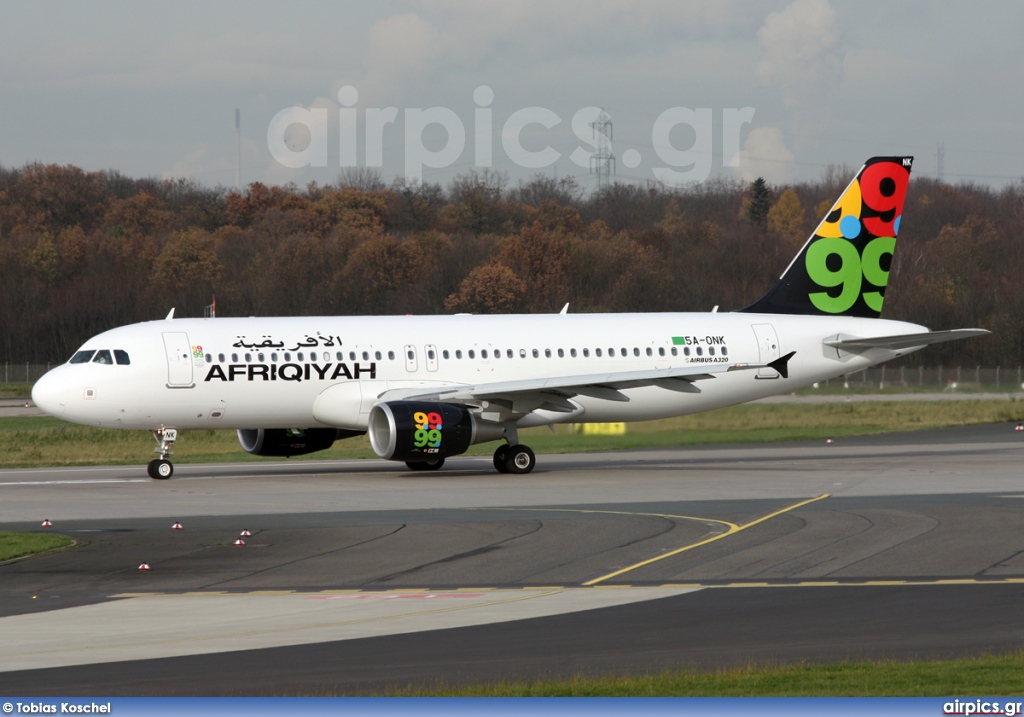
<point>414,431</point>
<point>290,441</point>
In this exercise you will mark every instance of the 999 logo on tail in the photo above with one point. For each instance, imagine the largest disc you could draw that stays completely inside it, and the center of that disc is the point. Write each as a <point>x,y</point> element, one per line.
<point>853,247</point>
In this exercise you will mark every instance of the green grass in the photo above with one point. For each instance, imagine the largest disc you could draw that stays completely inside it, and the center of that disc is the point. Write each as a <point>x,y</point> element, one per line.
<point>43,441</point>
<point>17,545</point>
<point>15,390</point>
<point>993,675</point>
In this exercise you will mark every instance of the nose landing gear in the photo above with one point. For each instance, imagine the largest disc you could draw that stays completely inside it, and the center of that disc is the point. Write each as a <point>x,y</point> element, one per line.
<point>161,468</point>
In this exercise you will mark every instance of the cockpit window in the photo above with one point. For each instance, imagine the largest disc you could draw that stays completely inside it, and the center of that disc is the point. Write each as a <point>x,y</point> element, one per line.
<point>103,356</point>
<point>122,357</point>
<point>82,357</point>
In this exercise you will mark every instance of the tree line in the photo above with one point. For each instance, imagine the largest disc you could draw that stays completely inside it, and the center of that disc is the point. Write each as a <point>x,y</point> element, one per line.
<point>82,252</point>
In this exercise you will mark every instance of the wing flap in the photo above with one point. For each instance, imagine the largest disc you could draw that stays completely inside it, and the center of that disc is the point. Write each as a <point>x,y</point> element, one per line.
<point>557,390</point>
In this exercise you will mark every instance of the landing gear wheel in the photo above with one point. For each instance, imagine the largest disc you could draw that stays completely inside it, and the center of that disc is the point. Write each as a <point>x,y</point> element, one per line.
<point>160,468</point>
<point>431,465</point>
<point>520,459</point>
<point>500,458</point>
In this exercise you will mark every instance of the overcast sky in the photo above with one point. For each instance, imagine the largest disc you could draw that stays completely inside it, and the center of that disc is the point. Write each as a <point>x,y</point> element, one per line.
<point>150,89</point>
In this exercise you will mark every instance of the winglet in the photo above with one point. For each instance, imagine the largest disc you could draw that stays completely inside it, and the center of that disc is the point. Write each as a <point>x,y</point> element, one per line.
<point>170,315</point>
<point>782,364</point>
<point>565,309</point>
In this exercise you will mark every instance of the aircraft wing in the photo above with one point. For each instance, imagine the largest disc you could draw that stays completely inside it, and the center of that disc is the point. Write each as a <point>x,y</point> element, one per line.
<point>553,393</point>
<point>901,341</point>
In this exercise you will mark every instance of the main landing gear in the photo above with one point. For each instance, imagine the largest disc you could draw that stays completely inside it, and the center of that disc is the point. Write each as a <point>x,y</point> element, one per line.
<point>514,459</point>
<point>431,465</point>
<point>161,468</point>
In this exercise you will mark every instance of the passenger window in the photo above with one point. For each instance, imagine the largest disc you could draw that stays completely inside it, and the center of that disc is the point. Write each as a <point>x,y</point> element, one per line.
<point>597,352</point>
<point>725,351</point>
<point>408,354</point>
<point>536,353</point>
<point>287,357</point>
<point>472,353</point>
<point>611,352</point>
<point>376,355</point>
<point>509,353</point>
<point>650,352</point>
<point>572,352</point>
<point>675,351</point>
<point>391,355</point>
<point>298,356</point>
<point>483,353</point>
<point>430,355</point>
<point>260,357</point>
<point>248,358</point>
<point>312,356</point>
<point>122,357</point>
<point>686,351</point>
<point>82,357</point>
<point>351,356</point>
<point>338,355</point>
<point>561,353</point>
<point>209,357</point>
<point>547,353</point>
<point>366,355</point>
<point>220,358</point>
<point>636,351</point>
<point>234,357</point>
<point>625,353</point>
<point>711,350</point>
<point>273,357</point>
<point>444,354</point>
<point>661,350</point>
<point>586,353</point>
<point>458,353</point>
<point>700,351</point>
<point>497,353</point>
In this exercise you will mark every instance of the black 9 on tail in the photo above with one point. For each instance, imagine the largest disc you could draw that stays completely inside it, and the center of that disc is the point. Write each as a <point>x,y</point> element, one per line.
<point>843,268</point>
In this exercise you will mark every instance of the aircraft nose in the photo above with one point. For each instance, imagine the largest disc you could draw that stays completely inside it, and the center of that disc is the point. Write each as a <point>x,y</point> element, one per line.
<point>49,393</point>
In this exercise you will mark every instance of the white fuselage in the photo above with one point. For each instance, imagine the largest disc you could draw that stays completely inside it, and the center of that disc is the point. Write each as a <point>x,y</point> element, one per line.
<point>269,372</point>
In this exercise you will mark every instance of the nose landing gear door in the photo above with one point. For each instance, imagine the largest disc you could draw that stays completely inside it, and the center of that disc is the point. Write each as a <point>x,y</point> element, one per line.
<point>179,359</point>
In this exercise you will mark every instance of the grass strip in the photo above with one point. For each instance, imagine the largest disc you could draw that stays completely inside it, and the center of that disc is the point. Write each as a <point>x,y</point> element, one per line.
<point>990,675</point>
<point>43,441</point>
<point>18,545</point>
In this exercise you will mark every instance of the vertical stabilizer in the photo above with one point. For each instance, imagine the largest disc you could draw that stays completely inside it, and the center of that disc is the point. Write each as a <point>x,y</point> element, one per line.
<point>843,268</point>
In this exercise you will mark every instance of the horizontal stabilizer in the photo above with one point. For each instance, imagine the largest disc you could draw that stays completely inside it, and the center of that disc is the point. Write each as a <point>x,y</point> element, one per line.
<point>902,341</point>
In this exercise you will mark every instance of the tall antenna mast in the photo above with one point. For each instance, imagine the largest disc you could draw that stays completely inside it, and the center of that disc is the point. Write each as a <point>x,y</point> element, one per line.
<point>238,150</point>
<point>602,162</point>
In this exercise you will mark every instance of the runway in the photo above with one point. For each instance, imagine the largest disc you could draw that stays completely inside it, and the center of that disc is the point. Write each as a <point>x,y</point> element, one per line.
<point>359,576</point>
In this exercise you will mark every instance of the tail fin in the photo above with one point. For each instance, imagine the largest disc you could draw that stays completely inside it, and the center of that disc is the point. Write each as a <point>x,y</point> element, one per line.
<point>843,268</point>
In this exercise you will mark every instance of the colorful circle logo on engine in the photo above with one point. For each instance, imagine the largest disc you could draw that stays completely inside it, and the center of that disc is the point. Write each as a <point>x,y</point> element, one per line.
<point>428,429</point>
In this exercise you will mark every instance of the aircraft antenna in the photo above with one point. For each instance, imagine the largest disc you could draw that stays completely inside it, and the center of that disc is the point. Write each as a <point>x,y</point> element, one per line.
<point>602,162</point>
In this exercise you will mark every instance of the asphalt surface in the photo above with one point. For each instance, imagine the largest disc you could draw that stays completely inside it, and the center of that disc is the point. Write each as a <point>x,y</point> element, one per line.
<point>359,577</point>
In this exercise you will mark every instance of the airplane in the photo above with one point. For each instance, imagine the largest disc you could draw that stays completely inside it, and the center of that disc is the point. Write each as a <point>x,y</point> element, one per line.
<point>425,388</point>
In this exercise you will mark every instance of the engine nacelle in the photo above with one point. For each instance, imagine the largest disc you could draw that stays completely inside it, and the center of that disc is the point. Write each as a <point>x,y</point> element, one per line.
<point>290,441</point>
<point>418,431</point>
